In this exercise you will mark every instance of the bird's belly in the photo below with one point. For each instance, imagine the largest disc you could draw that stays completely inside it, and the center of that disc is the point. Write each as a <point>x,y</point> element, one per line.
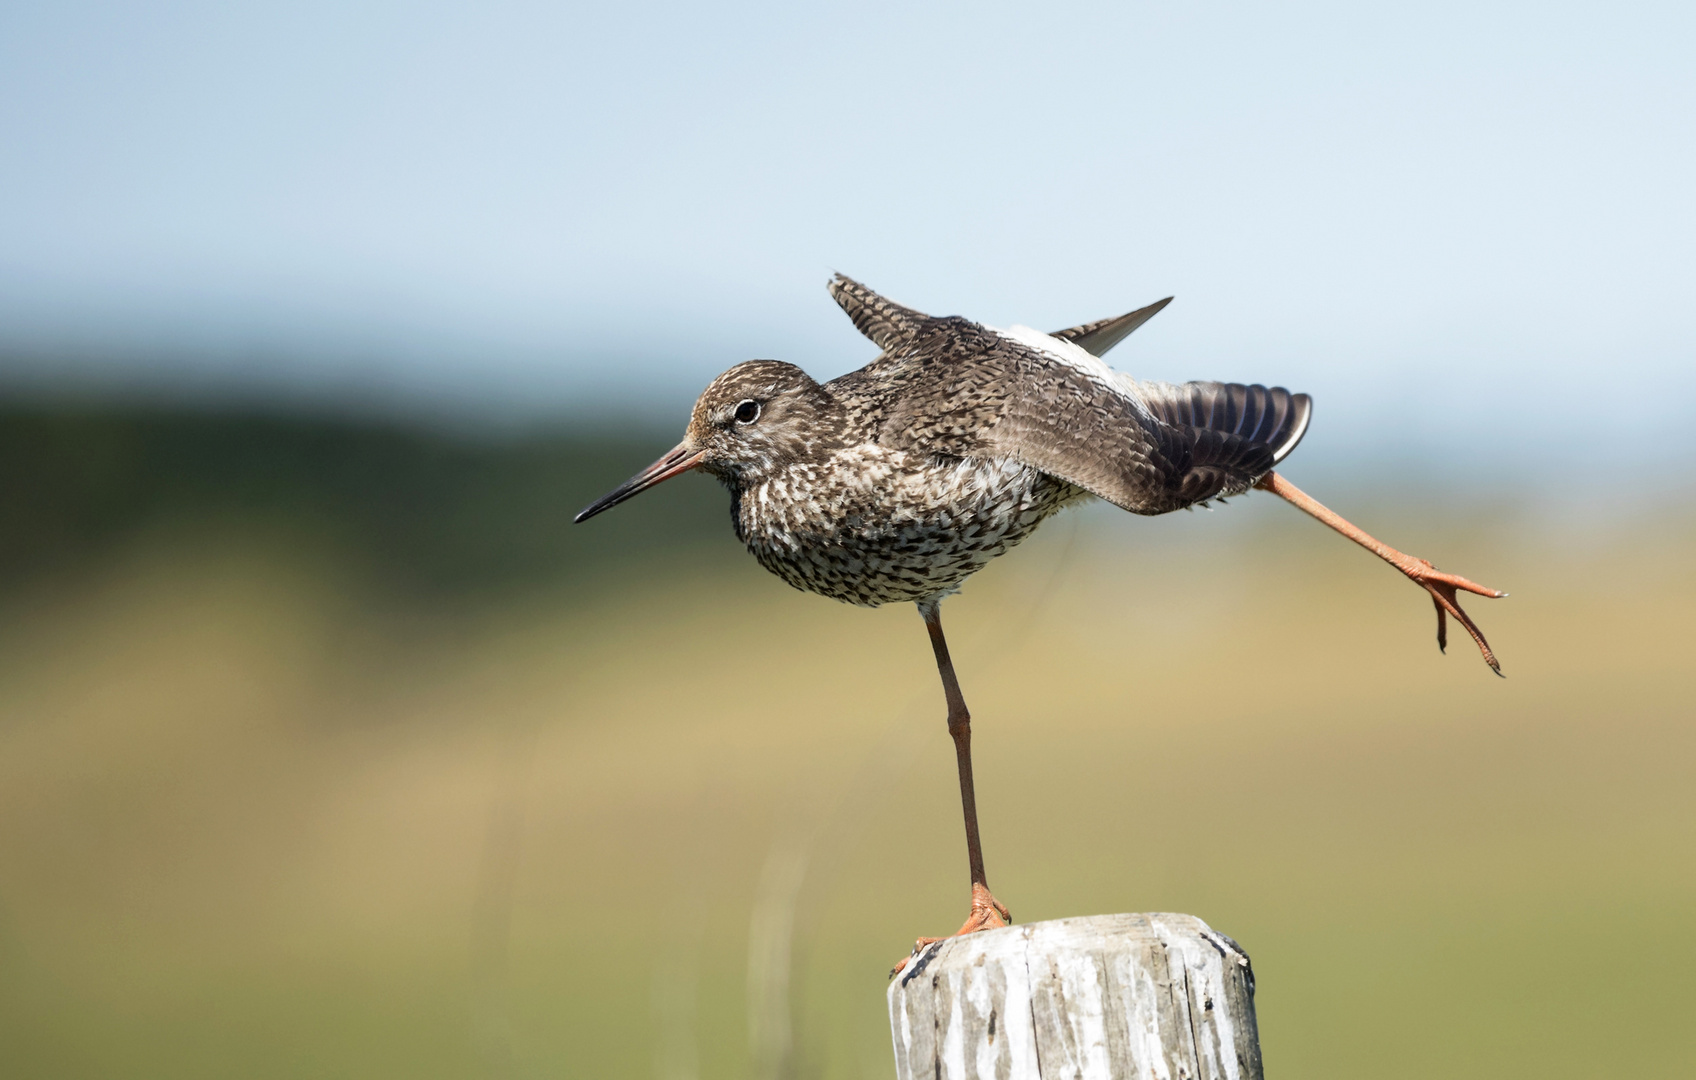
<point>892,533</point>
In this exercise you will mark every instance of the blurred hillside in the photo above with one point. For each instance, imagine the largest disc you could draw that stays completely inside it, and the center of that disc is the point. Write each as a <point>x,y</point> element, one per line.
<point>423,513</point>
<point>331,748</point>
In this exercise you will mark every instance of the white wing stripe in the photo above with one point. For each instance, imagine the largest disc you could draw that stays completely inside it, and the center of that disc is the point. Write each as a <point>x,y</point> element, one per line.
<point>1080,360</point>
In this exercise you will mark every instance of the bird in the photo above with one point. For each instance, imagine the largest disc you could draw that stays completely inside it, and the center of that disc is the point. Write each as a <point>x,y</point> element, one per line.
<point>896,482</point>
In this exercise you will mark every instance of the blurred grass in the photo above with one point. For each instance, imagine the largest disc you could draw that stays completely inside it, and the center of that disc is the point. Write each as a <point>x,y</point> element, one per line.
<point>336,751</point>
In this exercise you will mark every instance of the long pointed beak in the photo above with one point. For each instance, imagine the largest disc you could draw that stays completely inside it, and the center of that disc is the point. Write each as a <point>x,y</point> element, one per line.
<point>681,459</point>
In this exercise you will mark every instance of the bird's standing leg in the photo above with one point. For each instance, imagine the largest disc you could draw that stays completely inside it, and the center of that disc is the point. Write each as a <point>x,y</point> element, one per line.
<point>987,912</point>
<point>1441,586</point>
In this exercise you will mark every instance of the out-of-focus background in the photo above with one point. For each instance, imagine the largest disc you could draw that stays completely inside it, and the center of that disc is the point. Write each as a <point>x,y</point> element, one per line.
<point>328,746</point>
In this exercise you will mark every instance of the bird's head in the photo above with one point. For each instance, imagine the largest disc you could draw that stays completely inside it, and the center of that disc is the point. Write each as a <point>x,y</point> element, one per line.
<point>747,424</point>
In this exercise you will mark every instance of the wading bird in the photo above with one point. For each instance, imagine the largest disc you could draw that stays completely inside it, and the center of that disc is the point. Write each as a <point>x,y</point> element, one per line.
<point>897,481</point>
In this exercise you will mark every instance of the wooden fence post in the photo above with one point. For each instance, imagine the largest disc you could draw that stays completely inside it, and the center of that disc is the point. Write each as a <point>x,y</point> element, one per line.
<point>1144,996</point>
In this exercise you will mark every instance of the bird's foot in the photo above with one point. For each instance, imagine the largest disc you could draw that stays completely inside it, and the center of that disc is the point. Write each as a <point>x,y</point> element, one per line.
<point>1444,589</point>
<point>987,913</point>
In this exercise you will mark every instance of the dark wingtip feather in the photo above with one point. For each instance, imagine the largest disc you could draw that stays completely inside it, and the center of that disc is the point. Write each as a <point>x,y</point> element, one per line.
<point>1301,414</point>
<point>1097,337</point>
<point>1229,434</point>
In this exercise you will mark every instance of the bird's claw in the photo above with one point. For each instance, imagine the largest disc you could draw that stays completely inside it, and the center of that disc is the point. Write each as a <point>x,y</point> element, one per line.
<point>1444,590</point>
<point>987,913</point>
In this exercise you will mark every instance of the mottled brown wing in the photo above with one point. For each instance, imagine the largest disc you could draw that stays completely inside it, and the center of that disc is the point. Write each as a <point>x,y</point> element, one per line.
<point>964,390</point>
<point>1183,445</point>
<point>1149,448</point>
<point>887,323</point>
<point>1087,431</point>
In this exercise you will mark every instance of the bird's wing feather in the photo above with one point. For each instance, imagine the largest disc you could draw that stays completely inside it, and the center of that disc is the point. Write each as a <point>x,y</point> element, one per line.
<point>1150,448</point>
<point>887,323</point>
<point>1255,415</point>
<point>1072,416</point>
<point>1097,337</point>
<point>1236,433</point>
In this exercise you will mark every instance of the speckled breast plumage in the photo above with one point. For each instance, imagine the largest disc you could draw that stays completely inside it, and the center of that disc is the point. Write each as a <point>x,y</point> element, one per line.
<point>870,525</point>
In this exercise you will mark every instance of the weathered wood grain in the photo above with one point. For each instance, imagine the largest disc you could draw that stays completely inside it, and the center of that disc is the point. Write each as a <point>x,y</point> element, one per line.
<point>1156,996</point>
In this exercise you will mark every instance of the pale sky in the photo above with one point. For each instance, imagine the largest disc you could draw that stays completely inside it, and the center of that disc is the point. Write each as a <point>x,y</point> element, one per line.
<point>1447,221</point>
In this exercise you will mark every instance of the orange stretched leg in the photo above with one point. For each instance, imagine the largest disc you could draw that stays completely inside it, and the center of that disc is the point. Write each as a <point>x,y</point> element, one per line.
<point>1441,586</point>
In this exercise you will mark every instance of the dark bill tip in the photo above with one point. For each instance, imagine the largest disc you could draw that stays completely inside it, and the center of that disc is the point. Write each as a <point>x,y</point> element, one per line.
<point>680,460</point>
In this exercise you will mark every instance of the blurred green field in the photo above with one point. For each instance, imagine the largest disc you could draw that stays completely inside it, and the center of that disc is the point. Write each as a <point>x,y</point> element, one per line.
<point>366,764</point>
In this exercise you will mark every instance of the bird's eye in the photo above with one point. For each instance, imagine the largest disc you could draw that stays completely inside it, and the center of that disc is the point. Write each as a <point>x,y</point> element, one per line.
<point>748,411</point>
